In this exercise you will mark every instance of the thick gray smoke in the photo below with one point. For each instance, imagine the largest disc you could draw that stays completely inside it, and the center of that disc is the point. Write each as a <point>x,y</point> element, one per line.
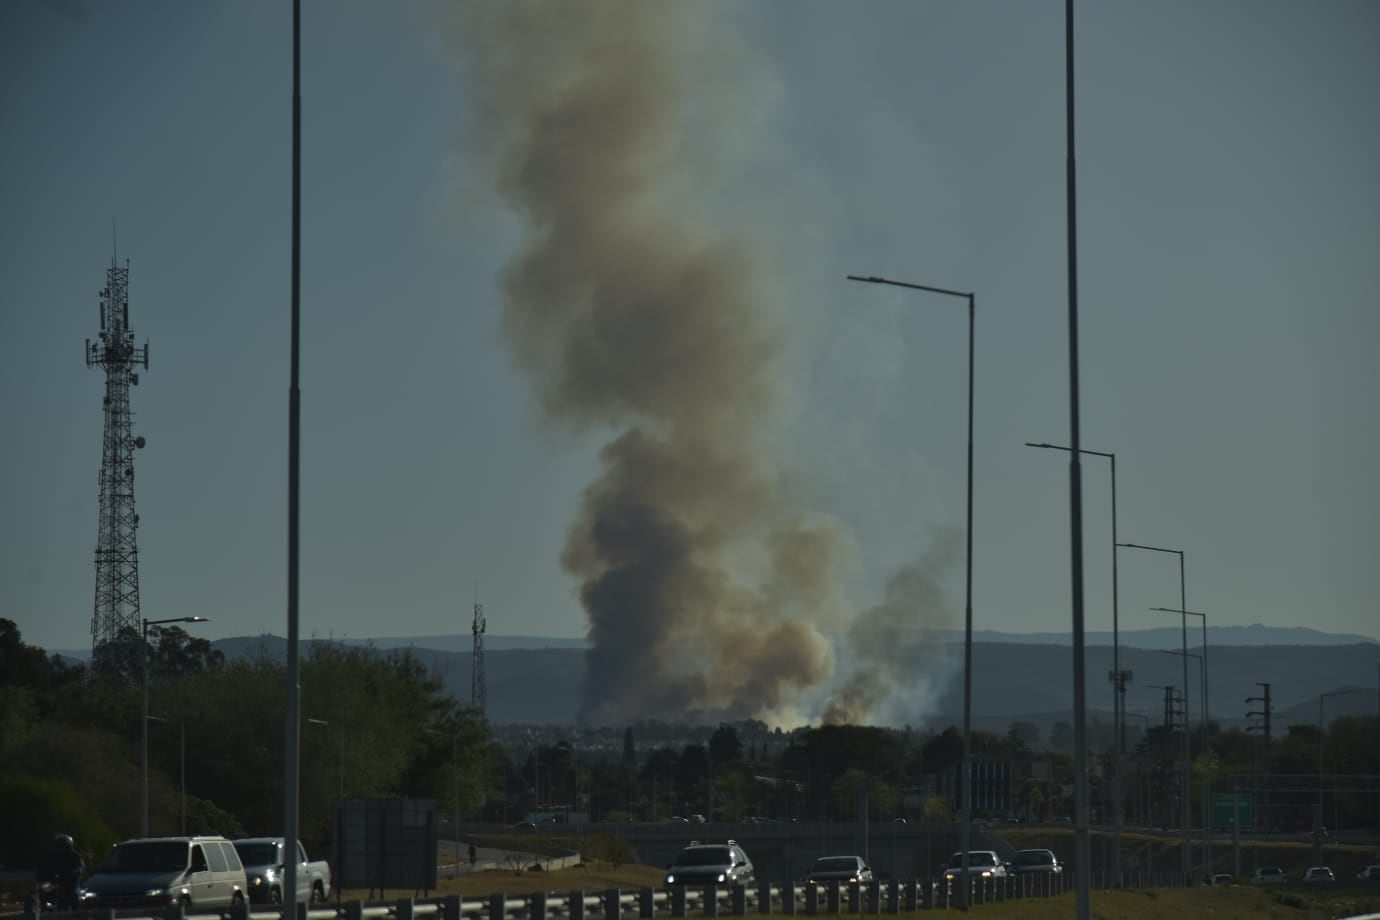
<point>893,646</point>
<point>703,589</point>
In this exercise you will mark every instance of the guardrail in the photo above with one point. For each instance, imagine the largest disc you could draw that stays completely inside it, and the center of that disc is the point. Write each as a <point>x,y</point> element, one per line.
<point>762,898</point>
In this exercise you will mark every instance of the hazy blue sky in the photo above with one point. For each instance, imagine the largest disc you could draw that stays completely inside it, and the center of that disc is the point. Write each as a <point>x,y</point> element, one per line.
<point>1230,258</point>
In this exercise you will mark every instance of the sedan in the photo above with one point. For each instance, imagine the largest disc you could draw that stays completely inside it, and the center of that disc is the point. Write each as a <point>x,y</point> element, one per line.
<point>839,869</point>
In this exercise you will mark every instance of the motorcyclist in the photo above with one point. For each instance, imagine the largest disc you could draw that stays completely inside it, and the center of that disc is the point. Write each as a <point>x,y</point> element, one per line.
<point>62,868</point>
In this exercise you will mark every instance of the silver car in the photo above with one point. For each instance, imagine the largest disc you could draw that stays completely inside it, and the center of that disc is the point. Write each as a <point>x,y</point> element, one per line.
<point>839,869</point>
<point>710,864</point>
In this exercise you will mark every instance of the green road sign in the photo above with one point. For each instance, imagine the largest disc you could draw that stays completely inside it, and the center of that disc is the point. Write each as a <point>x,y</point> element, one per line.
<point>1221,810</point>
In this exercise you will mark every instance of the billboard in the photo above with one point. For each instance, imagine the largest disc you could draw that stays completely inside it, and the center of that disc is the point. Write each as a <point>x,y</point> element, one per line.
<point>385,843</point>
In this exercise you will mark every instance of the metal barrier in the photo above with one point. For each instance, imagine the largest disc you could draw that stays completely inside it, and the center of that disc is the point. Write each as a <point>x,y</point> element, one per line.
<point>832,899</point>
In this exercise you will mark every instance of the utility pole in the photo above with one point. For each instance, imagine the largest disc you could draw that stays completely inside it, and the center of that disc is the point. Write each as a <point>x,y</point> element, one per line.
<point>1264,715</point>
<point>478,691</point>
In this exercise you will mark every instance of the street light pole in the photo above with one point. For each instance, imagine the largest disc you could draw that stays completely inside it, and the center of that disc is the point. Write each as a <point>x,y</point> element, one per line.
<point>965,778</point>
<point>144,720</point>
<point>1207,743</point>
<point>1118,679</point>
<point>1187,784</point>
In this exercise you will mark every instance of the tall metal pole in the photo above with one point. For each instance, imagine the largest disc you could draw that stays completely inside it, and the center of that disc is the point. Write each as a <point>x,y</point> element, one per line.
<point>1118,700</point>
<point>1206,782</point>
<point>455,753</point>
<point>144,737</point>
<point>1187,784</point>
<point>1206,796</point>
<point>1117,677</point>
<point>292,728</point>
<point>965,778</point>
<point>1081,849</point>
<point>967,784</point>
<point>1188,762</point>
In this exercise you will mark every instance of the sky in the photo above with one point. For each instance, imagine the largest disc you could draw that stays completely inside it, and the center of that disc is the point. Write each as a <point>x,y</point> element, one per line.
<point>1228,225</point>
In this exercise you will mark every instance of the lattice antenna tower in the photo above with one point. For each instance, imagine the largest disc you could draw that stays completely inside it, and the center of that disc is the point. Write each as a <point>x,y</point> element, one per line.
<point>116,624</point>
<point>478,693</point>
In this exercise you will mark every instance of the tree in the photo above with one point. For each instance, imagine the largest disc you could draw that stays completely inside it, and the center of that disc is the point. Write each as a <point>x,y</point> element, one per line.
<point>173,652</point>
<point>830,750</point>
<point>692,769</point>
<point>1026,733</point>
<point>942,751</point>
<point>849,788</point>
<point>937,811</point>
<point>724,746</point>
<point>629,751</point>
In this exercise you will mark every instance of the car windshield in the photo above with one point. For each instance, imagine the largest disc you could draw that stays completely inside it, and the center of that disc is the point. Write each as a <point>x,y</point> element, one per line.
<point>1034,858</point>
<point>836,864</point>
<point>257,854</point>
<point>974,859</point>
<point>704,856</point>
<point>154,856</point>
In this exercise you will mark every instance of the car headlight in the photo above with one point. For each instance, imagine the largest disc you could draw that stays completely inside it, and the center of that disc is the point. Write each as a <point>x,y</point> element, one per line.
<point>155,892</point>
<point>852,878</point>
<point>256,881</point>
<point>670,879</point>
<point>721,876</point>
<point>986,873</point>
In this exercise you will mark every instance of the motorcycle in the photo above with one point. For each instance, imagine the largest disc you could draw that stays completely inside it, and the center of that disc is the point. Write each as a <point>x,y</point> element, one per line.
<point>45,899</point>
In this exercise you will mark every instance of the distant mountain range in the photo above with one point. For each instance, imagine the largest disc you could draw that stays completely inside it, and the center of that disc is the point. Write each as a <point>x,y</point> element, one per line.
<point>538,680</point>
<point>1162,637</point>
<point>1171,636</point>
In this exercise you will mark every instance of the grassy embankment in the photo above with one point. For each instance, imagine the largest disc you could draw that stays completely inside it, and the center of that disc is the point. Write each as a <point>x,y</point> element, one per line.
<point>1161,854</point>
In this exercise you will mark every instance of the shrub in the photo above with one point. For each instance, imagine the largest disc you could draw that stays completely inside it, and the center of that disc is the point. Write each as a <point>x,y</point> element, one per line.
<point>37,808</point>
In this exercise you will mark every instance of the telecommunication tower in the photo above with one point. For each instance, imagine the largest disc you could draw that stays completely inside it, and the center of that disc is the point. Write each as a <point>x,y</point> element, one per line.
<point>116,625</point>
<point>477,692</point>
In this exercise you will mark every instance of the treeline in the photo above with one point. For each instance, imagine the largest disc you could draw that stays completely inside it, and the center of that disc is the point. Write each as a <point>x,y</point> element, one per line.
<point>373,724</point>
<point>378,724</point>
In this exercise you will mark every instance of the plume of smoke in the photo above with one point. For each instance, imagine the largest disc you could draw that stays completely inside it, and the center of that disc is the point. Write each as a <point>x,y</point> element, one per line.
<point>893,647</point>
<point>704,591</point>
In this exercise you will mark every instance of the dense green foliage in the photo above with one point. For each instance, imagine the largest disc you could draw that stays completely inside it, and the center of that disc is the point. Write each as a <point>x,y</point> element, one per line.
<point>377,724</point>
<point>70,743</point>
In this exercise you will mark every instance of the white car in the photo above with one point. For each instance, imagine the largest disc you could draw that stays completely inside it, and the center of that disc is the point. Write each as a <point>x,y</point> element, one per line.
<point>1369,873</point>
<point>1268,875</point>
<point>981,864</point>
<point>1319,874</point>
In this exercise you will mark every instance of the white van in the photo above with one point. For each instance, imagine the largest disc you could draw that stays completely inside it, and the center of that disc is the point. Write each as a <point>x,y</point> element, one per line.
<point>196,872</point>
